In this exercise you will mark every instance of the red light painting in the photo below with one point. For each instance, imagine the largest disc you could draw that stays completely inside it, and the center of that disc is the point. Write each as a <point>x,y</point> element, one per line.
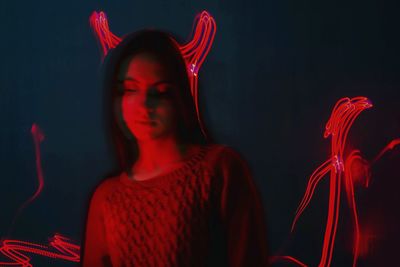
<point>16,251</point>
<point>389,147</point>
<point>289,259</point>
<point>343,116</point>
<point>344,171</point>
<point>99,23</point>
<point>352,170</point>
<point>194,52</point>
<point>38,137</point>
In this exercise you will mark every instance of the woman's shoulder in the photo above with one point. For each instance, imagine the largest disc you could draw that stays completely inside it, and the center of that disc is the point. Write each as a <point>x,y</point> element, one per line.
<point>221,154</point>
<point>105,186</point>
<point>223,150</point>
<point>229,167</point>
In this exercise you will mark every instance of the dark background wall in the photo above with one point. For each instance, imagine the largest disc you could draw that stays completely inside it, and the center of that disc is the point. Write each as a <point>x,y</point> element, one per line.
<point>267,88</point>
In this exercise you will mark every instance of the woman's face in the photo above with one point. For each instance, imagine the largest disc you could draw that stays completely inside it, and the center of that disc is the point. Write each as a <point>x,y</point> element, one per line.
<point>147,103</point>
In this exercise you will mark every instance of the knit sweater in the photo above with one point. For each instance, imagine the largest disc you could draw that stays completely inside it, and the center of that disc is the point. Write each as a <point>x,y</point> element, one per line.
<point>205,212</point>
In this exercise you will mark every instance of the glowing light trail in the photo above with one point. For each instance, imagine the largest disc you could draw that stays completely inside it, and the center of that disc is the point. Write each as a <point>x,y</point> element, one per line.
<point>195,52</point>
<point>60,248</point>
<point>389,147</point>
<point>38,137</point>
<point>287,259</point>
<point>343,116</point>
<point>99,23</point>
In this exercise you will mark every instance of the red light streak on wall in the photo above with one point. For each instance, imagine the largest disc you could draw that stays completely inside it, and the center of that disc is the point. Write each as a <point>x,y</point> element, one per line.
<point>358,172</point>
<point>60,248</point>
<point>369,236</point>
<point>287,259</point>
<point>343,115</point>
<point>389,147</point>
<point>355,176</point>
<point>99,23</point>
<point>194,52</point>
<point>38,137</point>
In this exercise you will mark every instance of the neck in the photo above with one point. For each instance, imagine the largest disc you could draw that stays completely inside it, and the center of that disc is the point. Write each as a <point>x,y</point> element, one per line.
<point>158,153</point>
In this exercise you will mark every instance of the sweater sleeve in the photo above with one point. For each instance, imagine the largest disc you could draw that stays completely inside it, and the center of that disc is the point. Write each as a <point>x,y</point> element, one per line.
<point>95,251</point>
<point>242,214</point>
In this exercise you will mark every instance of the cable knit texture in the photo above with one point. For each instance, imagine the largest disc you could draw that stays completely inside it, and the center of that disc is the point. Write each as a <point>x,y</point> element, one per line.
<point>206,212</point>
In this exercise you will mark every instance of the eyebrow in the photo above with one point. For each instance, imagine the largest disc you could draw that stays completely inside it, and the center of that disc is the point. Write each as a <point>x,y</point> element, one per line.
<point>154,84</point>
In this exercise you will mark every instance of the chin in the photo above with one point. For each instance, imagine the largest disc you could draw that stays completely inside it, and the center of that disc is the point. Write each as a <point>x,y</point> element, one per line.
<point>150,133</point>
<point>147,136</point>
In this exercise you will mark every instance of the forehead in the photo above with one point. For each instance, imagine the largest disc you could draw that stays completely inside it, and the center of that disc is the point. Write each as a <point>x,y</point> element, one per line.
<point>144,67</point>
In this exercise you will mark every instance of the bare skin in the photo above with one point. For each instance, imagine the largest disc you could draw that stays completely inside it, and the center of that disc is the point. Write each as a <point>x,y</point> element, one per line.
<point>149,113</point>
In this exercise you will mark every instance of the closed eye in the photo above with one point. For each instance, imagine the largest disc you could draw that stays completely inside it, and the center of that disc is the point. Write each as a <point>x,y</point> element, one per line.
<point>127,86</point>
<point>161,91</point>
<point>130,90</point>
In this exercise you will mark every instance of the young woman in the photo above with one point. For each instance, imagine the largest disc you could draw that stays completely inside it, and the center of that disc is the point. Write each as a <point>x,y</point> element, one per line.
<point>178,200</point>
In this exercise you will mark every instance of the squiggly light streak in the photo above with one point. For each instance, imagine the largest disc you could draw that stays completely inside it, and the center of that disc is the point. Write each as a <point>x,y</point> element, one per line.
<point>343,115</point>
<point>349,186</point>
<point>317,175</point>
<point>288,259</point>
<point>60,248</point>
<point>15,249</point>
<point>195,53</point>
<point>99,23</point>
<point>390,146</point>
<point>38,137</point>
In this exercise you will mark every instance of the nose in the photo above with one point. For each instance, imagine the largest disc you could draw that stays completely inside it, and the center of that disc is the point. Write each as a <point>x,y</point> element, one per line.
<point>149,99</point>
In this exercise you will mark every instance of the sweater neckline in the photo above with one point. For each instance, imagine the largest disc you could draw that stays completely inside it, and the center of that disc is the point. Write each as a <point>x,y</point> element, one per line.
<point>184,167</point>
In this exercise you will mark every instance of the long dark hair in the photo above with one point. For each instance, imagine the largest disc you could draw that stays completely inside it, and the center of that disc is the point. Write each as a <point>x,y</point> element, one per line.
<point>166,49</point>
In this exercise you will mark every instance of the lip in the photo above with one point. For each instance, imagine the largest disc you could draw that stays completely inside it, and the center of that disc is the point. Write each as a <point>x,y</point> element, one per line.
<point>146,122</point>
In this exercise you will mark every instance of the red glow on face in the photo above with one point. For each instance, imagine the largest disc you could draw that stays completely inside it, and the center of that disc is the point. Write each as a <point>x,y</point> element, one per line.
<point>194,52</point>
<point>147,99</point>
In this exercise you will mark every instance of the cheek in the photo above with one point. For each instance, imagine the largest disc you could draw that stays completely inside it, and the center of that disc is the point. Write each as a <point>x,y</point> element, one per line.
<point>166,113</point>
<point>128,107</point>
<point>163,110</point>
